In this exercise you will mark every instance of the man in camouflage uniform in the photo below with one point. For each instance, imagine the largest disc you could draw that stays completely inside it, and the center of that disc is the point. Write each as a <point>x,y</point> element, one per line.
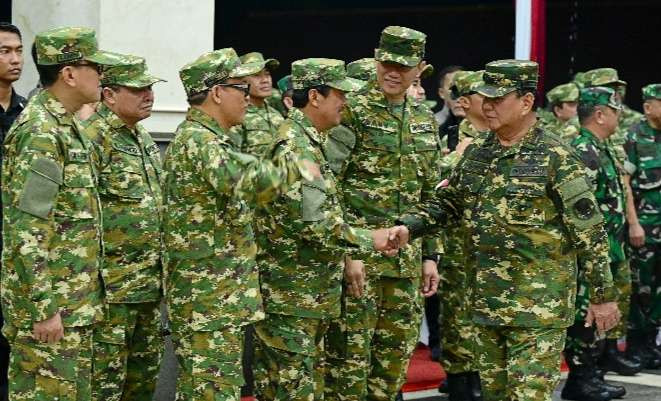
<point>210,189</point>
<point>258,129</point>
<point>51,292</point>
<point>643,148</point>
<point>285,87</point>
<point>390,163</point>
<point>529,213</point>
<point>128,343</point>
<point>457,332</point>
<point>363,69</point>
<point>562,101</point>
<point>598,113</point>
<point>304,238</point>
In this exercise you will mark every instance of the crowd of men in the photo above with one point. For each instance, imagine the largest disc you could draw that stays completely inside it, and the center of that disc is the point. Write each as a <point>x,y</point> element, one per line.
<point>316,219</point>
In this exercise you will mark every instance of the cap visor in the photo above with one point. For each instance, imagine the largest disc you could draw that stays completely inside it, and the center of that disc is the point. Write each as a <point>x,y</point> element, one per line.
<point>102,57</point>
<point>247,69</point>
<point>380,55</point>
<point>494,91</point>
<point>141,81</point>
<point>347,84</point>
<point>272,64</point>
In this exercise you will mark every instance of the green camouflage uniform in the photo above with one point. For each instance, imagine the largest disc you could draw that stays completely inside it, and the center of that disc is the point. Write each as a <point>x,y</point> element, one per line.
<point>212,279</point>
<point>643,148</point>
<point>529,213</point>
<point>52,235</point>
<point>260,125</point>
<point>363,69</point>
<point>391,163</point>
<point>455,287</point>
<point>304,237</point>
<point>606,181</point>
<point>128,344</point>
<point>567,130</point>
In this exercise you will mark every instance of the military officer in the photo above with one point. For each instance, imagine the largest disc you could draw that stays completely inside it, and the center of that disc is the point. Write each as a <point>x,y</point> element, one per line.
<point>51,292</point>
<point>562,102</point>
<point>260,125</point>
<point>529,214</point>
<point>304,238</point>
<point>390,164</point>
<point>643,164</point>
<point>128,344</point>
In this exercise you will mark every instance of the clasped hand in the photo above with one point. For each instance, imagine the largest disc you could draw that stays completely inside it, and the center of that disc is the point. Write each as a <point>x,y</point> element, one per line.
<point>389,240</point>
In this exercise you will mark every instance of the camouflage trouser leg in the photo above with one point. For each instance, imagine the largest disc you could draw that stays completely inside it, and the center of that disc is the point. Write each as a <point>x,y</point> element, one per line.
<point>289,358</point>
<point>622,286</point>
<point>209,364</point>
<point>584,344</point>
<point>127,352</point>
<point>645,314</point>
<point>45,372</point>
<point>458,354</point>
<point>519,363</point>
<point>380,333</point>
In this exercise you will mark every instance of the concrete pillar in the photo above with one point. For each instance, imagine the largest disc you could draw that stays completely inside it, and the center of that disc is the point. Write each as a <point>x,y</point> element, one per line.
<point>168,33</point>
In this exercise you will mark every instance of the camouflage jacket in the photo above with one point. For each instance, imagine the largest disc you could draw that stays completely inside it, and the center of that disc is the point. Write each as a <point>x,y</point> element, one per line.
<point>465,130</point>
<point>303,234</point>
<point>606,181</point>
<point>628,118</point>
<point>259,128</point>
<point>52,220</point>
<point>643,147</point>
<point>129,167</point>
<point>530,212</point>
<point>567,130</point>
<point>210,191</point>
<point>391,163</point>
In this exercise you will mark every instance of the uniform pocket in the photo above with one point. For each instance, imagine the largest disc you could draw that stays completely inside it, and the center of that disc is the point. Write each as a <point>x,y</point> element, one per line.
<point>313,196</point>
<point>523,204</point>
<point>41,188</point>
<point>77,198</point>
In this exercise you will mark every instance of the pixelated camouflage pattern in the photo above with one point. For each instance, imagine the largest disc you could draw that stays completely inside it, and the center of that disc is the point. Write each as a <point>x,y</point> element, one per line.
<point>510,198</point>
<point>129,71</point>
<point>51,220</point>
<point>368,349</point>
<point>128,346</point>
<point>69,44</point>
<point>599,96</point>
<point>601,77</point>
<point>519,363</point>
<point>311,72</point>
<point>645,312</point>
<point>563,93</point>
<point>212,68</point>
<point>41,371</point>
<point>401,45</point>
<point>467,82</point>
<point>129,165</point>
<point>628,118</point>
<point>289,358</point>
<point>255,135</point>
<point>362,69</point>
<point>567,130</point>
<point>652,91</point>
<point>303,234</point>
<point>504,76</point>
<point>256,60</point>
<point>579,79</point>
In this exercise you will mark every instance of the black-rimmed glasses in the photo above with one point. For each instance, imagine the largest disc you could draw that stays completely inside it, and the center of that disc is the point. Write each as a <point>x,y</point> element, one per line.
<point>245,88</point>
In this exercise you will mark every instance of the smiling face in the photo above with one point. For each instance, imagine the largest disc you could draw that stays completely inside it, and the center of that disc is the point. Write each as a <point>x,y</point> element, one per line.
<point>11,57</point>
<point>395,79</point>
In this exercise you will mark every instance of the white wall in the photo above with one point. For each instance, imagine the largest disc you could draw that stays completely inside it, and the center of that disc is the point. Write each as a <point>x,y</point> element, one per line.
<point>168,33</point>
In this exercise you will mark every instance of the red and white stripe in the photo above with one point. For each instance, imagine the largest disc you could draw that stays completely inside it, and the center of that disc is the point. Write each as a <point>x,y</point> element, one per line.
<point>530,39</point>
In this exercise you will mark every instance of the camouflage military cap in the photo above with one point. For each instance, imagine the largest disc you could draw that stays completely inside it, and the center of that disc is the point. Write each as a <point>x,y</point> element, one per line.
<point>652,91</point>
<point>563,93</point>
<point>256,60</point>
<point>362,69</point>
<point>427,71</point>
<point>212,68</point>
<point>129,71</point>
<point>69,44</point>
<point>579,79</point>
<point>599,96</point>
<point>601,77</point>
<point>311,72</point>
<point>284,84</point>
<point>467,82</point>
<point>401,45</point>
<point>504,76</point>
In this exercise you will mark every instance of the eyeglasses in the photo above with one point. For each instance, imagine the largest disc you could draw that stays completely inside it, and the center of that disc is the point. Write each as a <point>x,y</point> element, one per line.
<point>97,67</point>
<point>245,88</point>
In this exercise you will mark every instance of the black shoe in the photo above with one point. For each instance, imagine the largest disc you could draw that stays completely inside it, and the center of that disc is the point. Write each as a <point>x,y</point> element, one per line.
<point>458,387</point>
<point>443,387</point>
<point>436,353</point>
<point>475,386</point>
<point>614,390</point>
<point>615,361</point>
<point>400,396</point>
<point>583,386</point>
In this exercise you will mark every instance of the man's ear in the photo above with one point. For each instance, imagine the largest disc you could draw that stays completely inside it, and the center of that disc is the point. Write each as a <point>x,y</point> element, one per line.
<point>647,107</point>
<point>108,96</point>
<point>464,102</point>
<point>313,97</point>
<point>69,75</point>
<point>528,102</point>
<point>216,94</point>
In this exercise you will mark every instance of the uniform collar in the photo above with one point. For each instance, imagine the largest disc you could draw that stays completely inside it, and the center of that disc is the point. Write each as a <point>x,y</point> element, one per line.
<point>196,115</point>
<point>55,107</point>
<point>111,118</point>
<point>376,97</point>
<point>16,102</point>
<point>587,134</point>
<point>304,122</point>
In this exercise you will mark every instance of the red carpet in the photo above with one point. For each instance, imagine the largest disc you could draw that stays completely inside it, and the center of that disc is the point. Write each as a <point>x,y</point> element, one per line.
<point>423,373</point>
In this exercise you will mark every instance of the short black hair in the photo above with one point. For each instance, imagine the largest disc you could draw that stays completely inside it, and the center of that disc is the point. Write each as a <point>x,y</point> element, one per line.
<point>48,74</point>
<point>524,91</point>
<point>7,27</point>
<point>445,71</point>
<point>585,111</point>
<point>198,98</point>
<point>300,96</point>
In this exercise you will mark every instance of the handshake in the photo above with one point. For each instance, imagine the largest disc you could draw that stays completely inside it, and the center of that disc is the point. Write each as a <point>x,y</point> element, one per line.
<point>389,240</point>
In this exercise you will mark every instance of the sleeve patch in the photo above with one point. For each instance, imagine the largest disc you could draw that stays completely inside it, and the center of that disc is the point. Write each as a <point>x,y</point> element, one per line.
<point>41,188</point>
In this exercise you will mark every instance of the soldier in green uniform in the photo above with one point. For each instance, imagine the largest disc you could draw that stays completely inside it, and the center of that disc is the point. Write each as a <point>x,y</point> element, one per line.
<point>285,87</point>
<point>598,111</point>
<point>529,214</point>
<point>562,102</point>
<point>390,163</point>
<point>258,129</point>
<point>643,148</point>
<point>363,69</point>
<point>51,291</point>
<point>457,332</point>
<point>304,238</point>
<point>128,343</point>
